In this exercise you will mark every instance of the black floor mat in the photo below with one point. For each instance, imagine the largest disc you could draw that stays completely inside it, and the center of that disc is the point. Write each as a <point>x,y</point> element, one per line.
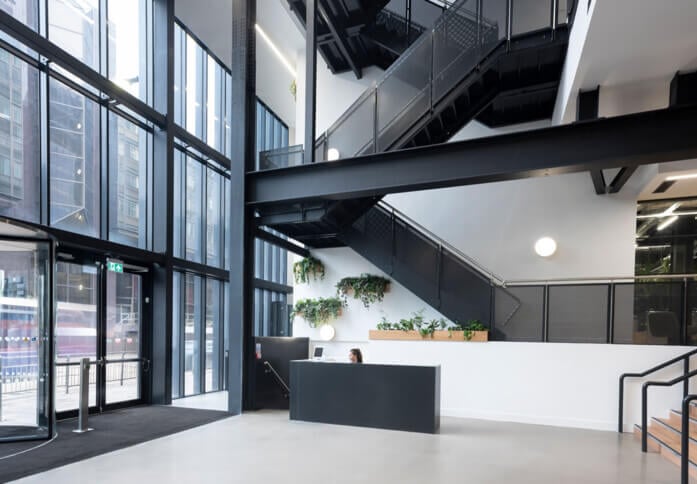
<point>112,431</point>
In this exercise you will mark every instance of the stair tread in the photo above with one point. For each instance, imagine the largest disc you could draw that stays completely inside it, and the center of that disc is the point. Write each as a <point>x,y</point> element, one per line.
<point>677,428</point>
<point>670,438</point>
<point>668,442</point>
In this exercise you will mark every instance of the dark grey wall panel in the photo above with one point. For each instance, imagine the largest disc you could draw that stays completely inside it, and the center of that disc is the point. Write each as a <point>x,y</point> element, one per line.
<point>366,395</point>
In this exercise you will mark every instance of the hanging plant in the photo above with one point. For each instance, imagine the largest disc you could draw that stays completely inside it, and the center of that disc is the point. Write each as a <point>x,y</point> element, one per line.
<point>318,311</point>
<point>306,267</point>
<point>368,288</point>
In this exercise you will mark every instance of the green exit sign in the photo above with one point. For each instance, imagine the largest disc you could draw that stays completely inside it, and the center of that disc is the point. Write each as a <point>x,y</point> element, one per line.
<point>114,266</point>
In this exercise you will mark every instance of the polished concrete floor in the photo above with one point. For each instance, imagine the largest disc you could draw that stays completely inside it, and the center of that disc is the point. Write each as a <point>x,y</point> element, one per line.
<point>265,447</point>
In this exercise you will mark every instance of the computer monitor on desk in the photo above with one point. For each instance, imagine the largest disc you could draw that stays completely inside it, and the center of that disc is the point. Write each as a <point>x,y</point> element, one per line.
<point>319,350</point>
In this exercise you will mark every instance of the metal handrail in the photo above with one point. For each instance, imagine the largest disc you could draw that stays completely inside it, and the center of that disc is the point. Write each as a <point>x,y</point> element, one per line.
<point>467,260</point>
<point>270,369</point>
<point>498,280</point>
<point>684,357</point>
<point>685,439</point>
<point>644,401</point>
<point>599,279</point>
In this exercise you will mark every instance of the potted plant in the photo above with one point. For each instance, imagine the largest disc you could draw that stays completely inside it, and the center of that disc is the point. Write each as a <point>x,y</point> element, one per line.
<point>418,328</point>
<point>306,267</point>
<point>318,311</point>
<point>367,287</point>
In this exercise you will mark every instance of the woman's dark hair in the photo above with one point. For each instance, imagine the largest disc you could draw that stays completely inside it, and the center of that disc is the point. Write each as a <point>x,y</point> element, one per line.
<point>357,353</point>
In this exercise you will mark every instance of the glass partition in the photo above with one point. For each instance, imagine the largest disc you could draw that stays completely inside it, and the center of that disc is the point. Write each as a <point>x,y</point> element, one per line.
<point>648,313</point>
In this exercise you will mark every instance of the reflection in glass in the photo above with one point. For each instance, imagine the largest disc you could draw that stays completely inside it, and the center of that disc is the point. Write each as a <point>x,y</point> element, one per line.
<point>176,335</point>
<point>127,46</point>
<point>76,331</point>
<point>128,162</point>
<point>214,104</point>
<point>194,87</point>
<point>73,25</point>
<point>19,139</point>
<point>26,11</point>
<point>24,343</point>
<point>212,335</point>
<point>192,334</point>
<point>194,208</point>
<point>213,218</point>
<point>123,340</point>
<point>74,159</point>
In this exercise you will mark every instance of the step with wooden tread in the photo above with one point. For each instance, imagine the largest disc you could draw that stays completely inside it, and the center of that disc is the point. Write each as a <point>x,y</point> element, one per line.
<point>655,444</point>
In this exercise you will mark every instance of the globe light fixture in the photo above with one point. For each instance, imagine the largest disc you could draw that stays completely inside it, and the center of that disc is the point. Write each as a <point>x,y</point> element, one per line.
<point>326,332</point>
<point>332,154</point>
<point>545,247</point>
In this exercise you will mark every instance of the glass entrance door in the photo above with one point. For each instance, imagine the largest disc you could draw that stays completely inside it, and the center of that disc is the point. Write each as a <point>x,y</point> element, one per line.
<point>123,362</point>
<point>99,315</point>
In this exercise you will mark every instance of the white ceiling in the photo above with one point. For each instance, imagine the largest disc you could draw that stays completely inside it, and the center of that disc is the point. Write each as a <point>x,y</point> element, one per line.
<point>211,21</point>
<point>681,188</point>
<point>630,41</point>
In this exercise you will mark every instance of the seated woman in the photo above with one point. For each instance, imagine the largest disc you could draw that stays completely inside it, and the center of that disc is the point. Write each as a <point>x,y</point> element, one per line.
<point>355,355</point>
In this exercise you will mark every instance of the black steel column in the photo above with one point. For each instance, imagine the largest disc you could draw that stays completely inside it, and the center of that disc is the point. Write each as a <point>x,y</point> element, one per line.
<point>310,79</point>
<point>163,205</point>
<point>241,249</point>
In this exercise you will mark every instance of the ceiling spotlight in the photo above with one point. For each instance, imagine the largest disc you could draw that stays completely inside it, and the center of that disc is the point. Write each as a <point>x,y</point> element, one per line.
<point>545,247</point>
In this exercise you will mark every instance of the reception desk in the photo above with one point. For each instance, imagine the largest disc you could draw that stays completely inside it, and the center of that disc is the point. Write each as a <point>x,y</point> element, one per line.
<point>396,397</point>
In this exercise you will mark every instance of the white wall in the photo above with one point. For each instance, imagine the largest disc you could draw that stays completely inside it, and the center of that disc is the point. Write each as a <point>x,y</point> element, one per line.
<point>573,385</point>
<point>498,223</point>
<point>335,94</point>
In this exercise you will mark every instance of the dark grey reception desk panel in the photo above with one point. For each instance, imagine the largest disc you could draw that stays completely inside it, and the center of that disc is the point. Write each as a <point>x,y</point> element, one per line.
<point>393,397</point>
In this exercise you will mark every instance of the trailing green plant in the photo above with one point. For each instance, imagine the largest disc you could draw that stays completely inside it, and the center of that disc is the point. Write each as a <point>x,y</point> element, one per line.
<point>306,267</point>
<point>416,323</point>
<point>367,287</point>
<point>384,325</point>
<point>318,311</point>
<point>472,326</point>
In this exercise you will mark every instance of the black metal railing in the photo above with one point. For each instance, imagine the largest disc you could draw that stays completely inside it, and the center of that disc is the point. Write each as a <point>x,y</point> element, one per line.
<point>685,439</point>
<point>271,370</point>
<point>658,310</point>
<point>428,70</point>
<point>685,378</point>
<point>685,358</point>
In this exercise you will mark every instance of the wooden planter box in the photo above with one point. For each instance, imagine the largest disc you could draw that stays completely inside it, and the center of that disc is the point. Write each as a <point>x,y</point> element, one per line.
<point>397,335</point>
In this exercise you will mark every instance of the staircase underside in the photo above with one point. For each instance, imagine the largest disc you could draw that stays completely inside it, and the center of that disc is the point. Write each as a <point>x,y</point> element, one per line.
<point>351,35</point>
<point>516,82</point>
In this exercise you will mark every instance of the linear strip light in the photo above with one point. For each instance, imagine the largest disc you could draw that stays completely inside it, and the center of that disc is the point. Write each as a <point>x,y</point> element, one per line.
<point>275,50</point>
<point>667,222</point>
<point>661,215</point>
<point>687,176</point>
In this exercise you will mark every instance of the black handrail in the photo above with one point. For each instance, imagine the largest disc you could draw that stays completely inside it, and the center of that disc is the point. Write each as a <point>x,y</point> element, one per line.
<point>270,369</point>
<point>644,401</point>
<point>685,357</point>
<point>685,439</point>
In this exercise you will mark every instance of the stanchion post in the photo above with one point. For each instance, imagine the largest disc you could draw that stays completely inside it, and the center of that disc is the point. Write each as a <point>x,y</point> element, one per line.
<point>84,397</point>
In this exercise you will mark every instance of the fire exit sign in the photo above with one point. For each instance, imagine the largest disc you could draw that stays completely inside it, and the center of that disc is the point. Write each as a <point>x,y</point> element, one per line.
<point>114,266</point>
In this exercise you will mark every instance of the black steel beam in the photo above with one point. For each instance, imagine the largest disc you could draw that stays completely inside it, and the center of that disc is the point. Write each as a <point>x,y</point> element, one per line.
<point>621,178</point>
<point>631,140</point>
<point>340,40</point>
<point>202,147</point>
<point>310,79</point>
<point>282,243</point>
<point>599,182</point>
<point>241,248</point>
<point>272,286</point>
<point>53,53</point>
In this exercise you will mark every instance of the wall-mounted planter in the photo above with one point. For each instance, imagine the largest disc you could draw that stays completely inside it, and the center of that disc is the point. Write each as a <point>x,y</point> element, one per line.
<point>398,335</point>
